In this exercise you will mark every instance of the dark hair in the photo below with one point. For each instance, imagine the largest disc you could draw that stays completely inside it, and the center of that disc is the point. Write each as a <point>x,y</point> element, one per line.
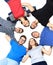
<point>25,19</point>
<point>31,27</point>
<point>24,37</point>
<point>24,25</point>
<point>29,46</point>
<point>22,30</point>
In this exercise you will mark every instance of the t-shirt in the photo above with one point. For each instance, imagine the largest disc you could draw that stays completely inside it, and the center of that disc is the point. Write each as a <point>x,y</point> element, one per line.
<point>43,15</point>
<point>17,51</point>
<point>46,37</point>
<point>36,54</point>
<point>16,8</point>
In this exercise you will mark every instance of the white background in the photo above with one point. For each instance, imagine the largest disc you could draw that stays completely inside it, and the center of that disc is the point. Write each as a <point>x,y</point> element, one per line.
<point>5,46</point>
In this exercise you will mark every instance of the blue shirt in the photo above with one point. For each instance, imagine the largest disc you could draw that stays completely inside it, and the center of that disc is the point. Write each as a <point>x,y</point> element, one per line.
<point>46,37</point>
<point>17,51</point>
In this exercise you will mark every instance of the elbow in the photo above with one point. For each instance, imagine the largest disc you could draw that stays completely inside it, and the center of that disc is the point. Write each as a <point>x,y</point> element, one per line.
<point>23,61</point>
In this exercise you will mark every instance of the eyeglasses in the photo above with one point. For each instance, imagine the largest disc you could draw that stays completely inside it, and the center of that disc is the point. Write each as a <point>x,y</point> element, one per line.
<point>22,39</point>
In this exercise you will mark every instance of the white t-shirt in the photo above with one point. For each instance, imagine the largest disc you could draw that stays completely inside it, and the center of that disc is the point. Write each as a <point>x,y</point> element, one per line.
<point>36,54</point>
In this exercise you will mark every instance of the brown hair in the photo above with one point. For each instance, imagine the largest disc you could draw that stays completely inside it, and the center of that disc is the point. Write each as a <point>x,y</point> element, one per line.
<point>29,46</point>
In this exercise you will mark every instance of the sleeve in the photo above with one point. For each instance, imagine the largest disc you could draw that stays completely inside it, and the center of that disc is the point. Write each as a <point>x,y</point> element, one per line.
<point>12,41</point>
<point>16,8</point>
<point>28,53</point>
<point>40,47</point>
<point>34,12</point>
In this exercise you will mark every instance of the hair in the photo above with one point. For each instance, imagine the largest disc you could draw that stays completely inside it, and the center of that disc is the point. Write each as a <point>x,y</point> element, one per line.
<point>34,27</point>
<point>29,46</point>
<point>31,27</point>
<point>22,30</point>
<point>25,19</point>
<point>24,37</point>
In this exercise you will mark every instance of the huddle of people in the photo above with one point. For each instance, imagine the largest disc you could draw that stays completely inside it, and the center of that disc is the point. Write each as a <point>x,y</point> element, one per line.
<point>35,51</point>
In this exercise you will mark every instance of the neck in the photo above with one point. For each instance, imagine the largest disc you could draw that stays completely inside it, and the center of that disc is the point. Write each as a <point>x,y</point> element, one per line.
<point>33,46</point>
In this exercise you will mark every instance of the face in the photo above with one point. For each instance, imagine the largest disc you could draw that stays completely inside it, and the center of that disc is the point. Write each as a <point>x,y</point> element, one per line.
<point>26,23</point>
<point>33,25</point>
<point>35,34</point>
<point>22,40</point>
<point>32,42</point>
<point>19,30</point>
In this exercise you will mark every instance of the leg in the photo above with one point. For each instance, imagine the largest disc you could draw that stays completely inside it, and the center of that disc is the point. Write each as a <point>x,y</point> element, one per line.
<point>11,18</point>
<point>8,31</point>
<point>3,62</point>
<point>12,62</point>
<point>7,27</point>
<point>6,23</point>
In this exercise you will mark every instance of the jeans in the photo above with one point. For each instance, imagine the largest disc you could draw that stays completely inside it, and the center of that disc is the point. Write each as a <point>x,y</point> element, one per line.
<point>8,61</point>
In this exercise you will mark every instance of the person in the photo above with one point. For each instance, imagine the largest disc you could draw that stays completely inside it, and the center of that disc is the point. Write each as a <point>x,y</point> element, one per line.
<point>24,20</point>
<point>18,11</point>
<point>34,24</point>
<point>46,36</point>
<point>12,18</point>
<point>35,34</point>
<point>35,53</point>
<point>8,27</point>
<point>16,53</point>
<point>42,15</point>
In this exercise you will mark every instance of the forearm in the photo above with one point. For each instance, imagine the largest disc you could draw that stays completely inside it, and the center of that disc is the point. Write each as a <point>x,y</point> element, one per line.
<point>7,37</point>
<point>29,6</point>
<point>47,52</point>
<point>25,58</point>
<point>50,25</point>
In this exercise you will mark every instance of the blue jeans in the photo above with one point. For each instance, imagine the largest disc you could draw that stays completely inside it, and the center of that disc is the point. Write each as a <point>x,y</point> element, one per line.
<point>8,61</point>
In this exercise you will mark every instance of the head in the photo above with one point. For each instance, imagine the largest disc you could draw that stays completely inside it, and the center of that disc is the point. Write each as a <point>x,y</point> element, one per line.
<point>35,34</point>
<point>22,39</point>
<point>33,25</point>
<point>32,42</point>
<point>25,23</point>
<point>19,30</point>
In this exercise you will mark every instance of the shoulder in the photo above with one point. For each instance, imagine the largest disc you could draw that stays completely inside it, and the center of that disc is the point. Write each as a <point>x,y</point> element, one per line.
<point>13,41</point>
<point>40,46</point>
<point>23,47</point>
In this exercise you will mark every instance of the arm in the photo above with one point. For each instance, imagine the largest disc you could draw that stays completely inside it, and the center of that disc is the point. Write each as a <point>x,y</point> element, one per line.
<point>25,58</point>
<point>29,6</point>
<point>50,25</point>
<point>8,38</point>
<point>48,52</point>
